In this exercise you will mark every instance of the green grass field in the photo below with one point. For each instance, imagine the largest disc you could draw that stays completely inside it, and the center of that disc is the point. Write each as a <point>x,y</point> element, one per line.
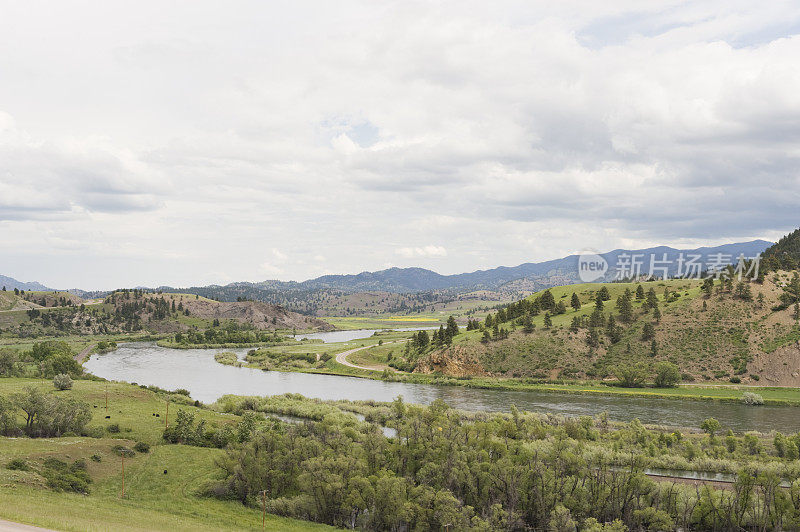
<point>153,500</point>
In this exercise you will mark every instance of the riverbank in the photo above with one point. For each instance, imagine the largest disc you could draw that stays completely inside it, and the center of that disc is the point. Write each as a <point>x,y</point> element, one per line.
<point>172,344</point>
<point>773,396</point>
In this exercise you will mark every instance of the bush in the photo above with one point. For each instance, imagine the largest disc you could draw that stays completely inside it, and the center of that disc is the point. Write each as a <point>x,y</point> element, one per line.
<point>667,375</point>
<point>142,447</point>
<point>64,477</point>
<point>632,376</point>
<point>735,380</point>
<point>121,450</point>
<point>62,381</point>
<point>56,364</point>
<point>18,464</point>
<point>752,399</point>
<point>113,428</point>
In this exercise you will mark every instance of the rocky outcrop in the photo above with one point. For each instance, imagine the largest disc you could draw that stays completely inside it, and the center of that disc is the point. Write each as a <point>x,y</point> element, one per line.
<point>452,361</point>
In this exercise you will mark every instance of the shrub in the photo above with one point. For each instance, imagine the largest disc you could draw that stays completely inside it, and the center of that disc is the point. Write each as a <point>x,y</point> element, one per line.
<point>62,381</point>
<point>735,380</point>
<point>142,447</point>
<point>18,464</point>
<point>755,377</point>
<point>64,477</point>
<point>96,458</point>
<point>667,375</point>
<point>113,428</point>
<point>752,399</point>
<point>121,450</point>
<point>632,376</point>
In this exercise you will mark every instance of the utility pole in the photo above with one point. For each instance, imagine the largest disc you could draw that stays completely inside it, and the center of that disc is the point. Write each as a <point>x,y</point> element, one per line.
<point>166,418</point>
<point>263,509</point>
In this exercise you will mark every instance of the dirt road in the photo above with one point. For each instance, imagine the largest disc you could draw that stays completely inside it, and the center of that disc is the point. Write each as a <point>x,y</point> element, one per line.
<point>341,358</point>
<point>80,357</point>
<point>8,526</point>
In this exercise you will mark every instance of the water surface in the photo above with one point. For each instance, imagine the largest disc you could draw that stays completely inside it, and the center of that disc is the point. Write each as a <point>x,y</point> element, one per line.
<point>197,371</point>
<point>355,334</point>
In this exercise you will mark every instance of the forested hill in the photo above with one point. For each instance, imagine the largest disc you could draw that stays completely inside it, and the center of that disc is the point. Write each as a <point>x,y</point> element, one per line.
<point>785,254</point>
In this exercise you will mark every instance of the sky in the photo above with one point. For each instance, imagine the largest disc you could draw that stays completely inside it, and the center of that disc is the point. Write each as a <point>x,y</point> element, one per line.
<point>194,142</point>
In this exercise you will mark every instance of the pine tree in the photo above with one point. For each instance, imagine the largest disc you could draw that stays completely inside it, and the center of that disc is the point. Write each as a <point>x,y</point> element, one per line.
<point>791,292</point>
<point>653,348</point>
<point>648,332</point>
<point>744,292</point>
<point>452,327</point>
<point>597,319</point>
<point>546,300</point>
<point>612,330</point>
<point>547,321</point>
<point>527,324</point>
<point>651,300</point>
<point>598,301</point>
<point>603,293</point>
<point>708,286</point>
<point>639,292</point>
<point>657,315</point>
<point>625,307</point>
<point>576,301</point>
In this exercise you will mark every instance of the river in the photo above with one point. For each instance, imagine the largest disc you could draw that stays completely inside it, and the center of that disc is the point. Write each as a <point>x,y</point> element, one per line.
<point>197,371</point>
<point>354,334</point>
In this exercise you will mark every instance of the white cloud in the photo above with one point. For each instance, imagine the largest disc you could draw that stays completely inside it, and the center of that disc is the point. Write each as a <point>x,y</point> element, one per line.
<point>425,251</point>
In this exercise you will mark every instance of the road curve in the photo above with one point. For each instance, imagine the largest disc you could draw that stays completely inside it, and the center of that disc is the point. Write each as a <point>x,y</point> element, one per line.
<point>341,358</point>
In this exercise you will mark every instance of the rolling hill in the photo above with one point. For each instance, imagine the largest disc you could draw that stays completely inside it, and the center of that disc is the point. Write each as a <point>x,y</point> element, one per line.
<point>732,333</point>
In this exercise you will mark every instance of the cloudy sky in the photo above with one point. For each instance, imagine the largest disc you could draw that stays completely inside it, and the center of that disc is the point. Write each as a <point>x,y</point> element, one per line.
<point>148,143</point>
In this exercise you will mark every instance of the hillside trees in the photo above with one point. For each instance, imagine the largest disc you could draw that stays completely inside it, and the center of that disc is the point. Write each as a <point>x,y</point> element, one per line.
<point>791,292</point>
<point>46,415</point>
<point>575,303</point>
<point>446,469</point>
<point>625,307</point>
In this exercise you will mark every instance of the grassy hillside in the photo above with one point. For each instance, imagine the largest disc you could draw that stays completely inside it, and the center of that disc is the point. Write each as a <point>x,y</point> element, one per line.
<point>163,488</point>
<point>721,337</point>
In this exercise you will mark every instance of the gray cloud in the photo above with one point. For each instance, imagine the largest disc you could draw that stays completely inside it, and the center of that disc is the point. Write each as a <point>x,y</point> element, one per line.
<point>519,131</point>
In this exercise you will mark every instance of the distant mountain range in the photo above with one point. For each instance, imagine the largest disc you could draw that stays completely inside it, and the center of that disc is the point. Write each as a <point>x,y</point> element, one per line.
<point>420,279</point>
<point>547,273</point>
<point>10,283</point>
<point>409,280</point>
